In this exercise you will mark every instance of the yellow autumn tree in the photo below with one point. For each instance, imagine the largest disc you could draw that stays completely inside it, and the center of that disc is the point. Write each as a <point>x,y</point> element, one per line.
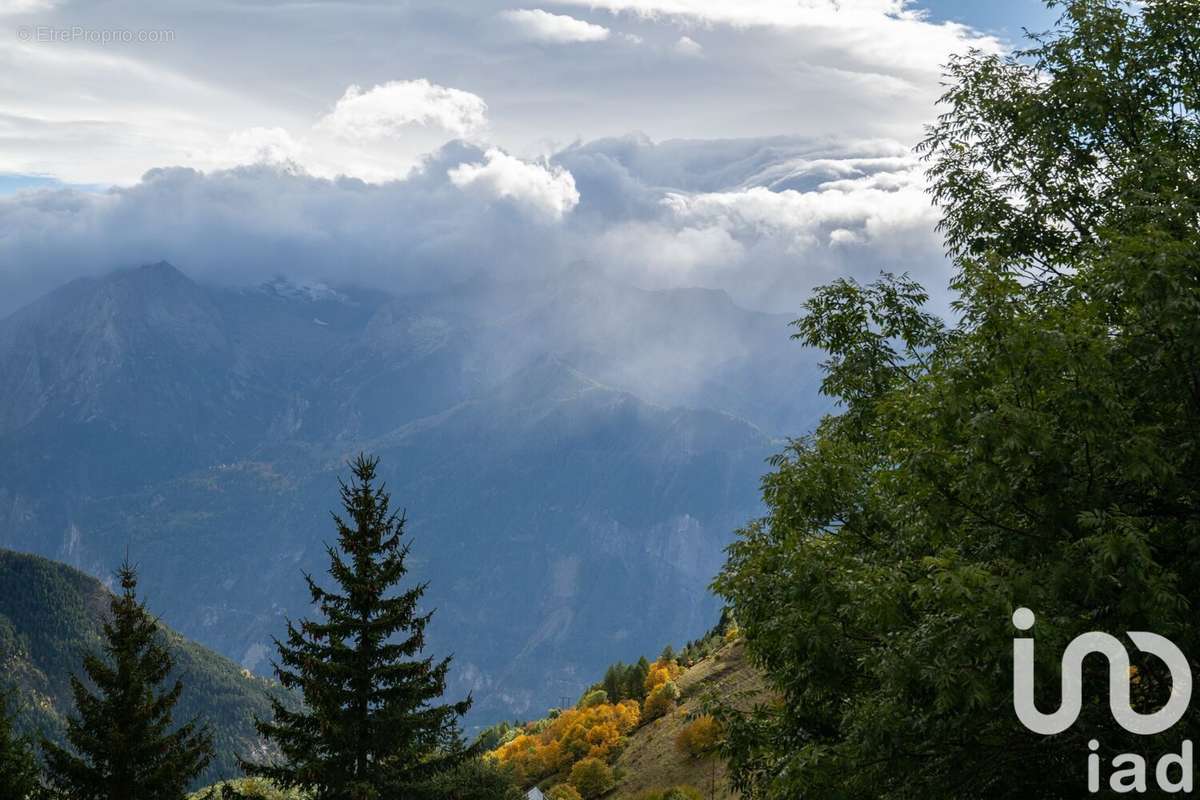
<point>661,672</point>
<point>660,701</point>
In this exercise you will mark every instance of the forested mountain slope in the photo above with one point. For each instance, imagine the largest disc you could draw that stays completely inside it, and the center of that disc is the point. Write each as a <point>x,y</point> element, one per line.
<point>51,614</point>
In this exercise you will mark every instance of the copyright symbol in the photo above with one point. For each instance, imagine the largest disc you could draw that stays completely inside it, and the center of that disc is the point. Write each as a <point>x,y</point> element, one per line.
<point>24,33</point>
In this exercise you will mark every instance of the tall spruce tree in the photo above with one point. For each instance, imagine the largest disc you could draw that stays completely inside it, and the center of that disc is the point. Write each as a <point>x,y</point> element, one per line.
<point>18,767</point>
<point>370,727</point>
<point>124,748</point>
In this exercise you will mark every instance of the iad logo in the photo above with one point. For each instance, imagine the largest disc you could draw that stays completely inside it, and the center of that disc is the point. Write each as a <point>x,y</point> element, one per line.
<point>1132,778</point>
<point>1118,680</point>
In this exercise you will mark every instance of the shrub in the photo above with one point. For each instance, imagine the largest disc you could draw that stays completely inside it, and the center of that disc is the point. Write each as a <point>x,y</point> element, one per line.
<point>699,736</point>
<point>683,793</point>
<point>246,789</point>
<point>595,697</point>
<point>660,701</point>
<point>563,791</point>
<point>592,777</point>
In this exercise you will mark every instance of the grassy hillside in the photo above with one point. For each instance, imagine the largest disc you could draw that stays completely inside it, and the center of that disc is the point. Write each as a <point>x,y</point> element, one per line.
<point>651,760</point>
<point>50,614</point>
<point>635,745</point>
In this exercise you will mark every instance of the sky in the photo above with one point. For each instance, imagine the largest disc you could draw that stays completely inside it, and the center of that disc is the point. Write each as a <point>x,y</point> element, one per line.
<point>755,146</point>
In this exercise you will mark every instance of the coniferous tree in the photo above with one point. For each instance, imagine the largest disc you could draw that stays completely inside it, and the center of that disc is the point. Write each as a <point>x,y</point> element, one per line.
<point>18,767</point>
<point>370,727</point>
<point>636,679</point>
<point>124,748</point>
<point>614,682</point>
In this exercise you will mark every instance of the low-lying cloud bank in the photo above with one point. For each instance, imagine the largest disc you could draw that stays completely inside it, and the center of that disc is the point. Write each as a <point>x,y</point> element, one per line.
<point>763,219</point>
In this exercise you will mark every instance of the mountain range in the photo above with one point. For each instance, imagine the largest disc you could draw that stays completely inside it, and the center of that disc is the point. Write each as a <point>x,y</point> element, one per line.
<point>573,455</point>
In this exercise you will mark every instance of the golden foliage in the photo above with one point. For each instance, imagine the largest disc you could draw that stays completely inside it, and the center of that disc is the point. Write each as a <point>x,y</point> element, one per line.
<point>660,701</point>
<point>661,672</point>
<point>575,734</point>
<point>699,736</point>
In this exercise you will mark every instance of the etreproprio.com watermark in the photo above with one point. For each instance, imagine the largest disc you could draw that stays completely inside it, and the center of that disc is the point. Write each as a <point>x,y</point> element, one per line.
<point>85,35</point>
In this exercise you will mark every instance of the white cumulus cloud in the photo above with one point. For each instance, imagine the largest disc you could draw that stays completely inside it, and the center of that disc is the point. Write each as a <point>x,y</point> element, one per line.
<point>386,110</point>
<point>542,26</point>
<point>870,208</point>
<point>548,189</point>
<point>261,146</point>
<point>687,46</point>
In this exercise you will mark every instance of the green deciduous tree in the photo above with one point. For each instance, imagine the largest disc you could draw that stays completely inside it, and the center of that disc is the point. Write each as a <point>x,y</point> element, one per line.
<point>1042,451</point>
<point>592,697</point>
<point>371,728</point>
<point>122,743</point>
<point>18,765</point>
<point>591,777</point>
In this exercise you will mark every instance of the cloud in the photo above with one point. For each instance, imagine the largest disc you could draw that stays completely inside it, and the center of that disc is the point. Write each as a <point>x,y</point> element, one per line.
<point>24,6</point>
<point>261,146</point>
<point>764,220</point>
<point>549,189</point>
<point>789,13</point>
<point>98,116</point>
<point>679,254</point>
<point>386,110</point>
<point>420,73</point>
<point>542,26</point>
<point>872,204</point>
<point>687,46</point>
<point>852,28</point>
<point>879,221</point>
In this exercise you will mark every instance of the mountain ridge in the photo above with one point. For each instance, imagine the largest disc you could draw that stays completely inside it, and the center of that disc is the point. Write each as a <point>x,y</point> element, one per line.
<point>567,506</point>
